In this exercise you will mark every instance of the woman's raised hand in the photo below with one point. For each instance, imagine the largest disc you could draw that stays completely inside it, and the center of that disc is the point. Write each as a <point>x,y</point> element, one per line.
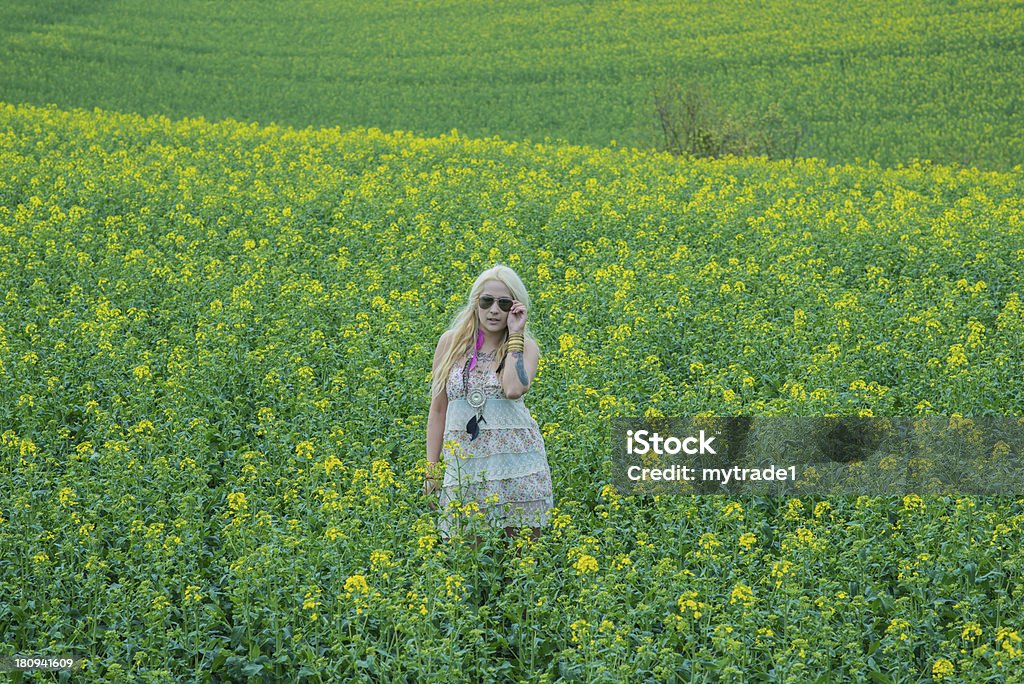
<point>516,317</point>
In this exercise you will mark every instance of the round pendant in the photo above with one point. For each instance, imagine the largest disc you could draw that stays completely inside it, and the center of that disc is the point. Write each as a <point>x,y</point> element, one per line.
<point>476,398</point>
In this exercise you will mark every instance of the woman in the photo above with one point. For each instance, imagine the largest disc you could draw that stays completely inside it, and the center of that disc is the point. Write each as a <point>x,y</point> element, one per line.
<point>494,453</point>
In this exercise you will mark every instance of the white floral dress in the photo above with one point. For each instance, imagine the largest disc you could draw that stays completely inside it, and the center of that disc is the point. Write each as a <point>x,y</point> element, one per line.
<point>506,463</point>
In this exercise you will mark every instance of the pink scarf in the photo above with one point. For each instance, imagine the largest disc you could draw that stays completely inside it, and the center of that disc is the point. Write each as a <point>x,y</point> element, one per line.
<point>479,343</point>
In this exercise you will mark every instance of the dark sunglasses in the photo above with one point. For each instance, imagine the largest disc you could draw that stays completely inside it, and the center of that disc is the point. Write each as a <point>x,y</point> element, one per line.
<point>505,304</point>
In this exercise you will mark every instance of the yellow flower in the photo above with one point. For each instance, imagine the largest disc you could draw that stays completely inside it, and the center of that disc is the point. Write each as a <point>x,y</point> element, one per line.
<point>795,390</point>
<point>356,583</point>
<point>763,633</point>
<point>382,472</point>
<point>733,509</point>
<point>780,569</point>
<point>651,414</point>
<point>236,501</point>
<point>381,559</point>
<point>454,448</point>
<point>747,540</point>
<point>956,357</point>
<point>970,631</point>
<point>708,542</point>
<point>688,604</point>
<point>622,561</point>
<point>561,521</point>
<point>585,564</point>
<point>941,668</point>
<point>1007,639</point>
<point>741,593</point>
<point>471,509</point>
<point>67,497</point>
<point>193,594</point>
<point>898,627</point>
<point>330,463</point>
<point>913,502</point>
<point>580,629</point>
<point>453,586</point>
<point>804,538</point>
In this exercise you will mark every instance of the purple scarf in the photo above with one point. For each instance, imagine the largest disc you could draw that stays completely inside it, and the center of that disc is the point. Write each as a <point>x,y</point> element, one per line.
<point>479,343</point>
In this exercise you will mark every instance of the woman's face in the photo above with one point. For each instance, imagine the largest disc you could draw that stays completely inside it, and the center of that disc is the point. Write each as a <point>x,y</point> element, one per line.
<point>493,319</point>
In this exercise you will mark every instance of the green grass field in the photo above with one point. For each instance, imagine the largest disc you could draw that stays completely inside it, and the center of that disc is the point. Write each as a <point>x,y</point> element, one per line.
<point>870,80</point>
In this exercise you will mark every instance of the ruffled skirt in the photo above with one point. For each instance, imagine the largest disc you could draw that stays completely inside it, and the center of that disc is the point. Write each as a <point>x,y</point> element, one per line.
<point>513,502</point>
<point>499,479</point>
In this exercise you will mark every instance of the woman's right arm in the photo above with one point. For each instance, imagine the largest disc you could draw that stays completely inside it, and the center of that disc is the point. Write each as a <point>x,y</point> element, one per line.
<point>435,422</point>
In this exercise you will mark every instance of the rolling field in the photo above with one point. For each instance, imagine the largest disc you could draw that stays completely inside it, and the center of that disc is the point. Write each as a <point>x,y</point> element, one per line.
<point>939,81</point>
<point>232,233</point>
<point>215,342</point>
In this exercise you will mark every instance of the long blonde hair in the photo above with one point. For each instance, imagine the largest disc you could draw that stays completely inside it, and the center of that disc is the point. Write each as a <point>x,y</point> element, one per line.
<point>464,325</point>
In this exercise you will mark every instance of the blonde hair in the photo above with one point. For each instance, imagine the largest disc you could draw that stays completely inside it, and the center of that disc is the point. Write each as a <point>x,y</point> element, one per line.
<point>464,325</point>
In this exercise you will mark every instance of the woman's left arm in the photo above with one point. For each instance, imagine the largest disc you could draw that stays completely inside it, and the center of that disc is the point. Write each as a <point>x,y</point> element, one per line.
<point>520,369</point>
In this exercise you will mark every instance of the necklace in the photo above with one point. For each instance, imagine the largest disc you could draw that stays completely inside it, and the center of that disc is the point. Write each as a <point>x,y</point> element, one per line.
<point>476,398</point>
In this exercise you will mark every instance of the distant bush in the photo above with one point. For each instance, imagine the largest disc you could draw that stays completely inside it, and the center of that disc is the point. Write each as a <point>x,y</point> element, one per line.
<point>692,123</point>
